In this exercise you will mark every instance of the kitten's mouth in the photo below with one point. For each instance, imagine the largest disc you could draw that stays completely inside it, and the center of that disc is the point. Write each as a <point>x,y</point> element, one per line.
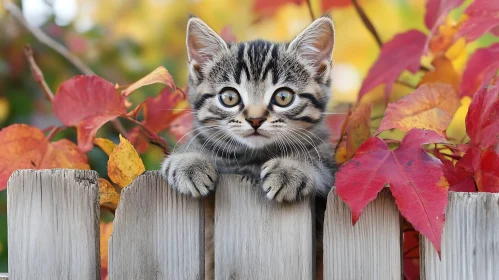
<point>255,134</point>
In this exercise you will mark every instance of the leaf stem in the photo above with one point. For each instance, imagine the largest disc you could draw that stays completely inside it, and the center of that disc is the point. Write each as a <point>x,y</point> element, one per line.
<point>44,39</point>
<point>37,73</point>
<point>153,137</point>
<point>53,132</point>
<point>367,22</point>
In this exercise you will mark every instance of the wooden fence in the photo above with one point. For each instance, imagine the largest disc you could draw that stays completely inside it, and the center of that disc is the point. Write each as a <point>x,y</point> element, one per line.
<point>53,227</point>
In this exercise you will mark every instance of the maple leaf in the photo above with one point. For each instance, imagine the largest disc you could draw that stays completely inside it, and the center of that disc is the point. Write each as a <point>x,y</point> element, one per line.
<point>414,177</point>
<point>483,16</point>
<point>460,179</point>
<point>357,130</point>
<point>401,53</point>
<point>124,164</point>
<point>431,106</point>
<point>437,10</point>
<point>26,147</point>
<point>480,69</point>
<point>87,102</point>
<point>158,75</point>
<point>482,121</point>
<point>444,72</point>
<point>480,165</point>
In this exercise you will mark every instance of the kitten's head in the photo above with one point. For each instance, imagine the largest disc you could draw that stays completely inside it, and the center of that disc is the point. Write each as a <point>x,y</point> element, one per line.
<point>259,92</point>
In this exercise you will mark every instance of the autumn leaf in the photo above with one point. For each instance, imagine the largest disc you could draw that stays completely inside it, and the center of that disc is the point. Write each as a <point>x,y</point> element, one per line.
<point>161,111</point>
<point>444,73</point>
<point>227,35</point>
<point>332,4</point>
<point>87,102</point>
<point>483,16</point>
<point>124,164</point>
<point>437,10</point>
<point>431,106</point>
<point>159,75</point>
<point>482,121</point>
<point>105,144</point>
<point>415,179</point>
<point>357,130</point>
<point>269,7</point>
<point>456,132</point>
<point>26,147</point>
<point>107,193</point>
<point>138,139</point>
<point>460,179</point>
<point>480,69</point>
<point>181,125</point>
<point>403,52</point>
<point>487,177</point>
<point>106,229</point>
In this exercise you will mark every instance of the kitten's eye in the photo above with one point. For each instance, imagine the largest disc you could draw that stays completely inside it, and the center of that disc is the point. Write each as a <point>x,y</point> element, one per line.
<point>229,97</point>
<point>283,97</point>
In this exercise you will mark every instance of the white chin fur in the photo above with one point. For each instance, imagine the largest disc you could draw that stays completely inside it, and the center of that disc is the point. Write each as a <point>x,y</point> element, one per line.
<point>254,142</point>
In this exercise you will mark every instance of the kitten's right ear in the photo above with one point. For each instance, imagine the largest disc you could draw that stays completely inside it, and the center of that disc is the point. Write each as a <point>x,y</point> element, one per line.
<point>202,42</point>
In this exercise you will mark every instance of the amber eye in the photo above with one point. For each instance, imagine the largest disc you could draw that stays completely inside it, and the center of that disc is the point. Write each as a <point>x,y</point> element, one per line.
<point>283,97</point>
<point>229,97</point>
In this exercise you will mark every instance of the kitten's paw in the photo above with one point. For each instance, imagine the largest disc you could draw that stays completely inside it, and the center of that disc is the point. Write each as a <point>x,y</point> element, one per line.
<point>285,179</point>
<point>190,173</point>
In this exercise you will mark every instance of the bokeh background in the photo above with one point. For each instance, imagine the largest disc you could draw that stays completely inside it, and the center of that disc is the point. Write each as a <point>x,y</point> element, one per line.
<point>123,40</point>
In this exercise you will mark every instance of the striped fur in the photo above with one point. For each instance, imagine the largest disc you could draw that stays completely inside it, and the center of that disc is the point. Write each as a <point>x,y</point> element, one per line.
<point>290,155</point>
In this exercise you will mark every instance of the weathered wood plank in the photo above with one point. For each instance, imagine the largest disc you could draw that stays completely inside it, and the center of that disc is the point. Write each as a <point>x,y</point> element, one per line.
<point>258,239</point>
<point>53,224</point>
<point>470,241</point>
<point>4,276</point>
<point>369,250</point>
<point>157,233</point>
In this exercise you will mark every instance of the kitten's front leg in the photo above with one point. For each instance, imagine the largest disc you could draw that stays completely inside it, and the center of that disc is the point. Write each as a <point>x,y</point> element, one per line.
<point>190,173</point>
<point>288,179</point>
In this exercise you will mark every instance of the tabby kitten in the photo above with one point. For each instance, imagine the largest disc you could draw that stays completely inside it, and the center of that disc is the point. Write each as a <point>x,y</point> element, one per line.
<point>259,111</point>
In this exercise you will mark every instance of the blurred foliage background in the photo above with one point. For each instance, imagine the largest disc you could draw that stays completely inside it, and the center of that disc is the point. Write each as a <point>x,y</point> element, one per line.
<point>123,40</point>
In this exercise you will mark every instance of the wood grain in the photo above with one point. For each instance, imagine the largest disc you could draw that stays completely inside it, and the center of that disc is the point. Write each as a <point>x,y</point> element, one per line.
<point>157,233</point>
<point>53,224</point>
<point>470,241</point>
<point>369,250</point>
<point>259,239</point>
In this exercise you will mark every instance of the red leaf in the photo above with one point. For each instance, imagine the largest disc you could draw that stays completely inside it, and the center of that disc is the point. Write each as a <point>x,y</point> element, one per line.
<point>87,102</point>
<point>26,147</point>
<point>227,34</point>
<point>437,10</point>
<point>459,178</point>
<point>480,69</point>
<point>182,125</point>
<point>403,52</point>
<point>331,4</point>
<point>411,255</point>
<point>416,181</point>
<point>482,121</point>
<point>483,17</point>
<point>488,180</point>
<point>161,111</point>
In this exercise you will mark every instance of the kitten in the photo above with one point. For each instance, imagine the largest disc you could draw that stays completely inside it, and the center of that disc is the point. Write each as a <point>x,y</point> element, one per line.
<point>258,110</point>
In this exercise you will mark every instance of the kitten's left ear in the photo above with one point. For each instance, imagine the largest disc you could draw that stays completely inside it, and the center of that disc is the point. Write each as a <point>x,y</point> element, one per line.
<point>316,42</point>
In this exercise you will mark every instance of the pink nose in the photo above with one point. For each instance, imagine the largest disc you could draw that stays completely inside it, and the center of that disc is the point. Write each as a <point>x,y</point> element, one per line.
<point>255,122</point>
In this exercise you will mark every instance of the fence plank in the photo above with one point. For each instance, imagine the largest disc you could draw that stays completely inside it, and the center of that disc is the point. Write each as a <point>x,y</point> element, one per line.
<point>258,239</point>
<point>53,224</point>
<point>369,250</point>
<point>4,276</point>
<point>157,233</point>
<point>470,241</point>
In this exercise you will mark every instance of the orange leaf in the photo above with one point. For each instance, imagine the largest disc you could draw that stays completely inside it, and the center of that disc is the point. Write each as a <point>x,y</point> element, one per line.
<point>26,147</point>
<point>431,106</point>
<point>105,233</point>
<point>107,193</point>
<point>159,75</point>
<point>160,112</point>
<point>124,164</point>
<point>444,73</point>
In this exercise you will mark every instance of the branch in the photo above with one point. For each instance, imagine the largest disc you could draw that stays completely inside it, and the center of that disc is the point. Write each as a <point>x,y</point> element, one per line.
<point>153,138</point>
<point>37,73</point>
<point>367,22</point>
<point>44,39</point>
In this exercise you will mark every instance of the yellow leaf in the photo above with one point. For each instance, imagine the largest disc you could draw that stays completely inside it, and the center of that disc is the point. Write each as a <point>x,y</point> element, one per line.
<point>456,132</point>
<point>341,153</point>
<point>456,49</point>
<point>124,164</point>
<point>444,73</point>
<point>105,144</point>
<point>107,193</point>
<point>159,75</point>
<point>4,109</point>
<point>105,233</point>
